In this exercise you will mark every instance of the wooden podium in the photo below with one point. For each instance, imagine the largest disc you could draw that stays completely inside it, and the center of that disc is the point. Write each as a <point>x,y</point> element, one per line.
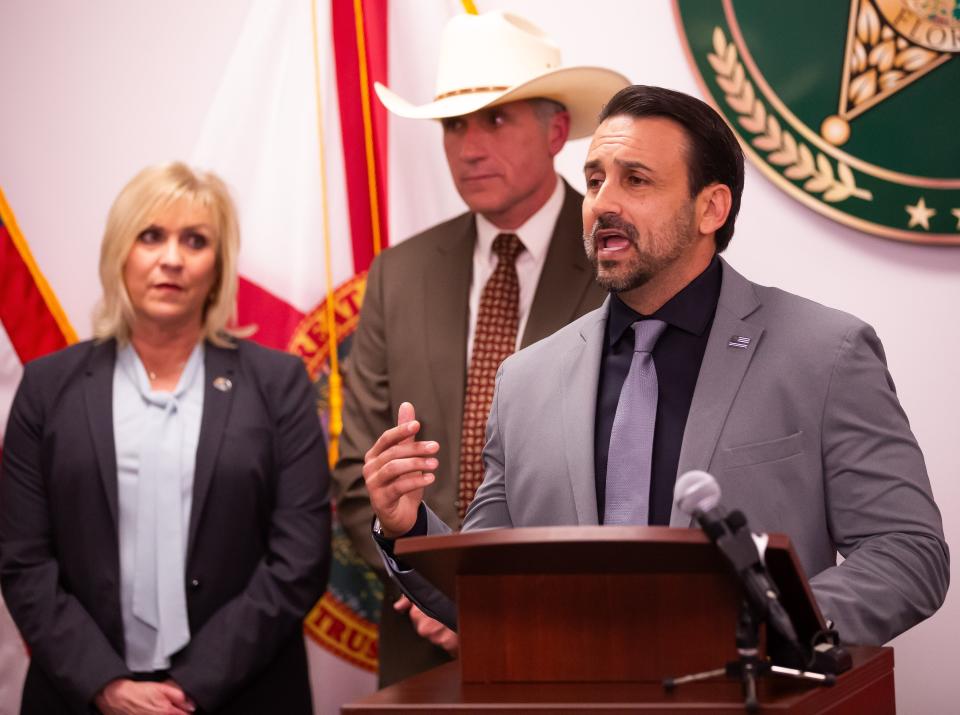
<point>591,619</point>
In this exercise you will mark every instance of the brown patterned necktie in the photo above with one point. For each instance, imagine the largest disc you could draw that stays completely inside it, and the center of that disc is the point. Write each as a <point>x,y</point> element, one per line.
<point>494,340</point>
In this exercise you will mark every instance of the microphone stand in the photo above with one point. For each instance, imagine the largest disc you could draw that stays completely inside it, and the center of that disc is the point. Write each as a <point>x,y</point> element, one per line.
<point>749,666</point>
<point>758,605</point>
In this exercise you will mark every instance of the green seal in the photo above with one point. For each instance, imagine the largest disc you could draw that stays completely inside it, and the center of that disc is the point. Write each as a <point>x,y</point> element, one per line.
<point>851,108</point>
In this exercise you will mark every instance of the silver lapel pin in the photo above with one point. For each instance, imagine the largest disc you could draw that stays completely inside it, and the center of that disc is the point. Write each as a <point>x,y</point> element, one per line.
<point>739,341</point>
<point>223,384</point>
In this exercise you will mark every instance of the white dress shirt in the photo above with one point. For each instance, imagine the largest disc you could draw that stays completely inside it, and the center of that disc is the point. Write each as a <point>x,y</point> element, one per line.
<point>535,236</point>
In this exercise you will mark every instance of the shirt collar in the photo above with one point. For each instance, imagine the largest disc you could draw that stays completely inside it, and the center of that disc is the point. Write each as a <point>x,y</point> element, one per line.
<point>690,310</point>
<point>535,234</point>
<point>129,362</point>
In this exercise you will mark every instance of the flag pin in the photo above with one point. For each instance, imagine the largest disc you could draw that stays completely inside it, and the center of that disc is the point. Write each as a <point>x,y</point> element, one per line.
<point>223,384</point>
<point>739,341</point>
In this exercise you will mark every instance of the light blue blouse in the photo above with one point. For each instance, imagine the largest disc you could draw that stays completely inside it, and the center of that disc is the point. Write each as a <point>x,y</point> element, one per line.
<point>156,436</point>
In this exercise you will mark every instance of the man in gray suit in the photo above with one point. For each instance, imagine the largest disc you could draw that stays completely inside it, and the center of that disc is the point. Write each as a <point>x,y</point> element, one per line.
<point>507,108</point>
<point>788,403</point>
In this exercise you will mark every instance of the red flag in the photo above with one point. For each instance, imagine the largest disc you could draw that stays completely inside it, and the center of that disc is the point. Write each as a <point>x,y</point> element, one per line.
<point>32,323</point>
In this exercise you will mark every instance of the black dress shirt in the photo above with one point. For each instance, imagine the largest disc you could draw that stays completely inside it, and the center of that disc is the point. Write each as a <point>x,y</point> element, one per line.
<point>677,357</point>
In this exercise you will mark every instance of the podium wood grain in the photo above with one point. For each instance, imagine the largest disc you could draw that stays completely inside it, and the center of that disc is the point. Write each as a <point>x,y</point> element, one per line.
<point>591,619</point>
<point>594,604</point>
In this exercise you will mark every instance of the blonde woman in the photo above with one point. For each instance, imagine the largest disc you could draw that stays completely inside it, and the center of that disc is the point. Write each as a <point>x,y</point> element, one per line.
<point>164,519</point>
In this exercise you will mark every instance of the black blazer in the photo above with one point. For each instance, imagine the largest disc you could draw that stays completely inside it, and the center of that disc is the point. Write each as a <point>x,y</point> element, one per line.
<point>258,547</point>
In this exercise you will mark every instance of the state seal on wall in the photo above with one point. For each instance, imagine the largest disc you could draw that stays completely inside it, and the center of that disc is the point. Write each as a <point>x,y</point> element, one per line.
<point>850,108</point>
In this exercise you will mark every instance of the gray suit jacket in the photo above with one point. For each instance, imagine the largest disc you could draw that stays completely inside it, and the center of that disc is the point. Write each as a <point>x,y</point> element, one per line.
<point>802,429</point>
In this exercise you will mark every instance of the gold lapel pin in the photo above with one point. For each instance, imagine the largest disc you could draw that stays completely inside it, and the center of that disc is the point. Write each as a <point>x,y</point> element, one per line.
<point>223,384</point>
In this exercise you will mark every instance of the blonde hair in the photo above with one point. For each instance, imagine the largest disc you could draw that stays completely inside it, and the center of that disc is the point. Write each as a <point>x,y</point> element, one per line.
<point>149,192</point>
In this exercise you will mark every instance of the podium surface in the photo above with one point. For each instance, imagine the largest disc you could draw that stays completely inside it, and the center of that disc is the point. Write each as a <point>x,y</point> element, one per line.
<point>591,619</point>
<point>595,604</point>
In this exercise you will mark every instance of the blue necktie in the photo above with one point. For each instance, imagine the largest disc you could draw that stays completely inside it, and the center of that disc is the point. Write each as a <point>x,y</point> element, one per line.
<point>627,493</point>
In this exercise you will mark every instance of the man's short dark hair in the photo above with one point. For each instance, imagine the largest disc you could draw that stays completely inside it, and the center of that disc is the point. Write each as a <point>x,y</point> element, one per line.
<point>713,154</point>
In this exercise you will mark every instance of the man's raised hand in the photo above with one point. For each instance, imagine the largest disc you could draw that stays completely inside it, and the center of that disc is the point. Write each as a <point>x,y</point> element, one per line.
<point>396,470</point>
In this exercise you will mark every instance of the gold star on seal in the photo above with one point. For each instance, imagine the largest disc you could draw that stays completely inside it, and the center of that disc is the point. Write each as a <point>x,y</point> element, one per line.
<point>956,212</point>
<point>920,215</point>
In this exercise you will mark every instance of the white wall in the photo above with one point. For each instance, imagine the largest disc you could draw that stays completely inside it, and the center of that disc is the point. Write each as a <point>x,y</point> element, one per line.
<point>94,91</point>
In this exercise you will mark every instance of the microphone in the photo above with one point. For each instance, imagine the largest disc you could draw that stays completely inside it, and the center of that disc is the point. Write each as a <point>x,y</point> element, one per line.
<point>698,495</point>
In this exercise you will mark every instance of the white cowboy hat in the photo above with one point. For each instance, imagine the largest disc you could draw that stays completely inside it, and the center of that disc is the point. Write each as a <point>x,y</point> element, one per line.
<point>500,57</point>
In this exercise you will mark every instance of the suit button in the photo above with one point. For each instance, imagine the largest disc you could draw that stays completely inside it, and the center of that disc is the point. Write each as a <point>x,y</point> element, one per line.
<point>194,584</point>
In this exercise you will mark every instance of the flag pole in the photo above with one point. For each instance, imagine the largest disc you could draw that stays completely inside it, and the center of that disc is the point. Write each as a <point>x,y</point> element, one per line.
<point>334,381</point>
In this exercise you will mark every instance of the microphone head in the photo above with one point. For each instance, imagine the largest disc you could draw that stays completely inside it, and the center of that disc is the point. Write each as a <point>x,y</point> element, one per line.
<point>696,491</point>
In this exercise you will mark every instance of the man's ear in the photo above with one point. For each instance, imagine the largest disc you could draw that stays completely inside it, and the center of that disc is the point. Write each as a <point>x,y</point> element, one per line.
<point>557,131</point>
<point>713,207</point>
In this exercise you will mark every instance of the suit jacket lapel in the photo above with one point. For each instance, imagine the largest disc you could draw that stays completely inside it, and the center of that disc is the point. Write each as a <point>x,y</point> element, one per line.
<point>98,395</point>
<point>566,276</point>
<point>721,374</point>
<point>218,363</point>
<point>445,307</point>
<point>578,385</point>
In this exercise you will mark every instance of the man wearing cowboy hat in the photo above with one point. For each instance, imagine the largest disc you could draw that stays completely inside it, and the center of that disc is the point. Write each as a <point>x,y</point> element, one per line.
<point>443,308</point>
